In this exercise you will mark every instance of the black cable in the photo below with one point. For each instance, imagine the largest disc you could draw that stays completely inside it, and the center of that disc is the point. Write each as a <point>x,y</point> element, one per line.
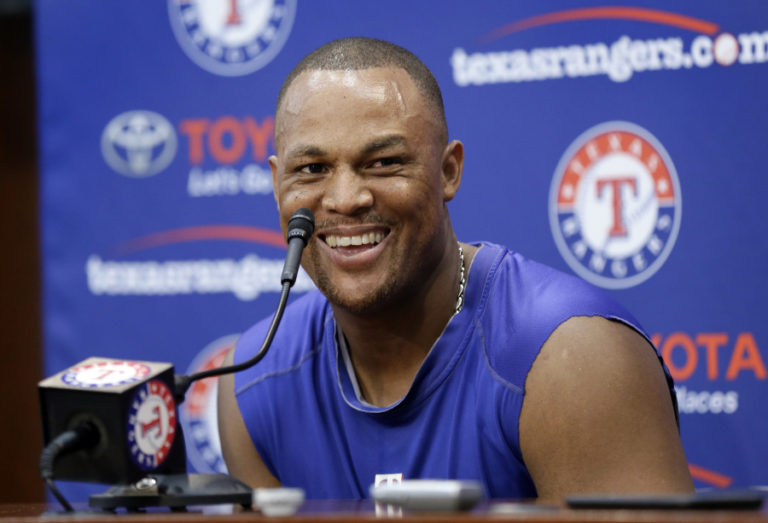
<point>183,382</point>
<point>83,436</point>
<point>58,495</point>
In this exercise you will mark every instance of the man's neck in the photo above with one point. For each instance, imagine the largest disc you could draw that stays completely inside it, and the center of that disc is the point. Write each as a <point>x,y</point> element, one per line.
<point>387,348</point>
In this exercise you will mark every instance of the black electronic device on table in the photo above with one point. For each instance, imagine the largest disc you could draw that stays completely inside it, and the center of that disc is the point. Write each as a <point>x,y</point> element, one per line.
<point>741,499</point>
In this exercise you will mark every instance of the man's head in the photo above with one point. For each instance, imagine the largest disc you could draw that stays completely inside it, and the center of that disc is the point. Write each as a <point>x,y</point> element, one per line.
<point>362,143</point>
<point>356,53</point>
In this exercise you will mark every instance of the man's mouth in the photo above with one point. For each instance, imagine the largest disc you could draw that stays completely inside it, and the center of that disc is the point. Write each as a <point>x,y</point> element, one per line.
<point>370,238</point>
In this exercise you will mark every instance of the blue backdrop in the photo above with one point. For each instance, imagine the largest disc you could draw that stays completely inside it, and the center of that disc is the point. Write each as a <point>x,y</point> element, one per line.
<point>623,143</point>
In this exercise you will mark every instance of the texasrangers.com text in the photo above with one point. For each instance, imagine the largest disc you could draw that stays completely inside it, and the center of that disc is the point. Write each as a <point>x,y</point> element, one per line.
<point>619,61</point>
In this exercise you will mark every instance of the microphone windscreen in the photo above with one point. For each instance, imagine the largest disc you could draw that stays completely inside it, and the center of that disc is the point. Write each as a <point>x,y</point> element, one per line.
<point>301,224</point>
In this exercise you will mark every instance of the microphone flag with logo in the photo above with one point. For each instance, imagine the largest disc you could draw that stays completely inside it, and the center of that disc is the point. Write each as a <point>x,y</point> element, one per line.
<point>131,406</point>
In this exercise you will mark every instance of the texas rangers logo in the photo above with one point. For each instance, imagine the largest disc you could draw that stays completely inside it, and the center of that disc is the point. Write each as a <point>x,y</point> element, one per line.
<point>231,37</point>
<point>151,424</point>
<point>108,373</point>
<point>198,414</point>
<point>615,205</point>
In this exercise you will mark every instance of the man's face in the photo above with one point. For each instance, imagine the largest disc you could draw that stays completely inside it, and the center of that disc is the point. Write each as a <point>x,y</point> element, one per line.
<point>364,152</point>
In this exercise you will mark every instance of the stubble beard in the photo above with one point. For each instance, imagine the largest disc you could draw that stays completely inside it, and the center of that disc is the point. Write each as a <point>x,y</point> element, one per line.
<point>370,302</point>
<point>401,284</point>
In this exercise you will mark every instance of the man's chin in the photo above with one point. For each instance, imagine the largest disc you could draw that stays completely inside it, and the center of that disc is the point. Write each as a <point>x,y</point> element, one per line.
<point>354,301</point>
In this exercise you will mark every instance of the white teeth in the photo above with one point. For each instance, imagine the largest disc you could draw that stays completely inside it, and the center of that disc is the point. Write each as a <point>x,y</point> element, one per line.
<point>371,238</point>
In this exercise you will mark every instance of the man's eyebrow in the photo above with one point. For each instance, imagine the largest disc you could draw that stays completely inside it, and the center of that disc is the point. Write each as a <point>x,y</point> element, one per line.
<point>383,143</point>
<point>304,150</point>
<point>300,150</point>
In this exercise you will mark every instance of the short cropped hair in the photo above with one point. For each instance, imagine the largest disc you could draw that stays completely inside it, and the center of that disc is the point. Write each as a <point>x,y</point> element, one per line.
<point>356,53</point>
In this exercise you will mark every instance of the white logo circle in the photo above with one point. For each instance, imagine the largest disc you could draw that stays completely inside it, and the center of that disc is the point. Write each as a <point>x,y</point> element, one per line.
<point>138,143</point>
<point>105,374</point>
<point>151,424</point>
<point>231,37</point>
<point>615,205</point>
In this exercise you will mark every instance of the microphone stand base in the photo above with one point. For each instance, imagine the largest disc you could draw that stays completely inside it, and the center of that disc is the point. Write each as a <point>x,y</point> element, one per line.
<point>175,491</point>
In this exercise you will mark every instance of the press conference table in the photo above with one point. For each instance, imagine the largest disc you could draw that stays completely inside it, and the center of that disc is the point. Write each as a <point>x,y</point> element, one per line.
<point>352,511</point>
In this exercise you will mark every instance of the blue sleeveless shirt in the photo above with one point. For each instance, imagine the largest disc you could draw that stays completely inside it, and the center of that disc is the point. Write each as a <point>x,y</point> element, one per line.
<point>459,419</point>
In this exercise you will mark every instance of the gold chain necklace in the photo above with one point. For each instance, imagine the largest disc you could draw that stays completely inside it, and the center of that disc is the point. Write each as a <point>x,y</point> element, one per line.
<point>462,281</point>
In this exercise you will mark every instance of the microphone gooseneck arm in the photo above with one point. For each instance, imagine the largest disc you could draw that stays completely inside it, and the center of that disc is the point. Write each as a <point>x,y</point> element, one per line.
<point>300,227</point>
<point>182,382</point>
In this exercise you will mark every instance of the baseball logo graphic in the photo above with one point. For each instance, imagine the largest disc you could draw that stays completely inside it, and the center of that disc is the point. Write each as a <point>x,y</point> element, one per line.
<point>105,374</point>
<point>198,413</point>
<point>231,37</point>
<point>151,424</point>
<point>615,205</point>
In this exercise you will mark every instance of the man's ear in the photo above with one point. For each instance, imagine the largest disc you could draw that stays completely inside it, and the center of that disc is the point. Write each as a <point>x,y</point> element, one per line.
<point>273,165</point>
<point>452,167</point>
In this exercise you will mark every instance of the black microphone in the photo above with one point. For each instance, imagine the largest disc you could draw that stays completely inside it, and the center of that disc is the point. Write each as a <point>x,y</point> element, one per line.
<point>300,228</point>
<point>115,421</point>
<point>301,225</point>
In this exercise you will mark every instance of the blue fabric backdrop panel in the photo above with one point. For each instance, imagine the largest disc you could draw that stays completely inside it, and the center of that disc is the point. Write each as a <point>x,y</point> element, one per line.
<point>622,142</point>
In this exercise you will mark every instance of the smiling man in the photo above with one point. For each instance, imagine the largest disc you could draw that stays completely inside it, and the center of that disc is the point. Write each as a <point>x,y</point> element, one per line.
<point>421,355</point>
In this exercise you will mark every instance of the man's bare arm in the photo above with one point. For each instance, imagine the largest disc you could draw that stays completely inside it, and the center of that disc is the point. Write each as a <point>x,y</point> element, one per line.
<point>597,415</point>
<point>241,457</point>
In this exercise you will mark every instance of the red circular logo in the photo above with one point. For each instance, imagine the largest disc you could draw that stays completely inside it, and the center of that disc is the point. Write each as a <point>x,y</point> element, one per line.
<point>106,373</point>
<point>615,205</point>
<point>151,424</point>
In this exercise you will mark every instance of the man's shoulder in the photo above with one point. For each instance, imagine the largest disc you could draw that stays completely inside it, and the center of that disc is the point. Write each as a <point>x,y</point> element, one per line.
<point>525,289</point>
<point>298,337</point>
<point>526,301</point>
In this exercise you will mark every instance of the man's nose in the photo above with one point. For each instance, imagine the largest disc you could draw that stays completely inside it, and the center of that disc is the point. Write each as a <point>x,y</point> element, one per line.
<point>347,192</point>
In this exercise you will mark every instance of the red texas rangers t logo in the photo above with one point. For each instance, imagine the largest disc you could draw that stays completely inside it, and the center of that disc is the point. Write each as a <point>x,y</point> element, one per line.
<point>151,424</point>
<point>109,373</point>
<point>231,37</point>
<point>615,205</point>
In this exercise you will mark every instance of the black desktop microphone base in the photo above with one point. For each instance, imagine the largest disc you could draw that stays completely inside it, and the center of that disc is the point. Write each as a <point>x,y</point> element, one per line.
<point>175,491</point>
